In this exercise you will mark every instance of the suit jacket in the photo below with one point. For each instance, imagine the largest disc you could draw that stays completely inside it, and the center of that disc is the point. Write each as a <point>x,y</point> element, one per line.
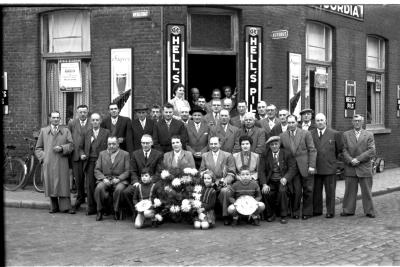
<point>304,149</point>
<point>275,131</point>
<point>138,132</point>
<point>227,138</point>
<point>235,121</point>
<point>264,124</point>
<point>310,128</point>
<point>154,163</point>
<point>120,168</point>
<point>185,160</point>
<point>197,141</point>
<point>287,166</point>
<point>224,168</point>
<point>363,150</point>
<point>209,118</point>
<point>258,136</point>
<point>329,147</point>
<point>162,135</point>
<point>253,164</point>
<point>78,134</point>
<point>123,129</point>
<point>99,144</point>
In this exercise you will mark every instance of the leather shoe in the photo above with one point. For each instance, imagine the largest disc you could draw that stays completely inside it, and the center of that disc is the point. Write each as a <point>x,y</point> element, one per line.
<point>99,216</point>
<point>305,217</point>
<point>54,211</point>
<point>284,220</point>
<point>226,221</point>
<point>329,216</point>
<point>271,219</point>
<point>343,214</point>
<point>317,214</point>
<point>116,216</point>
<point>88,213</point>
<point>296,217</point>
<point>370,215</point>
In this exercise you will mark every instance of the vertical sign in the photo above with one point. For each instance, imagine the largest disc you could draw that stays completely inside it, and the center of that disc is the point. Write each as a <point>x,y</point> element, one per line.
<point>4,95</point>
<point>175,57</point>
<point>350,98</point>
<point>295,84</point>
<point>121,80</point>
<point>398,100</point>
<point>253,66</point>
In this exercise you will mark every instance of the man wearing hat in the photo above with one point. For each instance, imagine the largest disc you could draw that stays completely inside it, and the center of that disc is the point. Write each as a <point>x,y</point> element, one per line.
<point>198,133</point>
<point>306,123</point>
<point>276,170</point>
<point>141,125</point>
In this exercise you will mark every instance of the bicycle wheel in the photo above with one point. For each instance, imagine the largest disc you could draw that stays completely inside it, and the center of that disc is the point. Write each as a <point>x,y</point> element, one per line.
<point>38,181</point>
<point>14,174</point>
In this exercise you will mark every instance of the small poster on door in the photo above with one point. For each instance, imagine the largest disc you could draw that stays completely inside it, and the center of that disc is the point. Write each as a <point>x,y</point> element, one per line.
<point>121,80</point>
<point>70,78</point>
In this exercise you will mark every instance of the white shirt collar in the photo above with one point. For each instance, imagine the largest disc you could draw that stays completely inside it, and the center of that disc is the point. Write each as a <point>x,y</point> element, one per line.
<point>96,131</point>
<point>323,131</point>
<point>114,120</point>
<point>284,128</point>
<point>83,122</point>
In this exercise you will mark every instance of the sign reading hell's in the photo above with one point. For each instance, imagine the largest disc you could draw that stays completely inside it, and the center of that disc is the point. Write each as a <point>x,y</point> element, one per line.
<point>175,57</point>
<point>253,66</point>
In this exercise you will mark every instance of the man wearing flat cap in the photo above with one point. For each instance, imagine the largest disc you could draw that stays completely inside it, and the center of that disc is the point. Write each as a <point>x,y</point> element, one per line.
<point>141,125</point>
<point>198,134</point>
<point>276,170</point>
<point>306,122</point>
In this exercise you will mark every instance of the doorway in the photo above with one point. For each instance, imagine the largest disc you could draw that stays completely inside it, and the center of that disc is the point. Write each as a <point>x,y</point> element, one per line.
<point>207,72</point>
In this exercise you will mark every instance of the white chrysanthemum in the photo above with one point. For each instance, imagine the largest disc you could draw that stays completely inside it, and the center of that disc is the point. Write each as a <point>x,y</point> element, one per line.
<point>186,179</point>
<point>185,207</point>
<point>196,196</point>
<point>174,209</point>
<point>193,171</point>
<point>187,170</point>
<point>164,174</point>
<point>202,216</point>
<point>197,204</point>
<point>157,202</point>
<point>176,182</point>
<point>167,188</point>
<point>197,188</point>
<point>186,202</point>
<point>158,217</point>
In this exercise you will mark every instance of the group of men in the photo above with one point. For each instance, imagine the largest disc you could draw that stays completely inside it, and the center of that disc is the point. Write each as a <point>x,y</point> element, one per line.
<point>296,158</point>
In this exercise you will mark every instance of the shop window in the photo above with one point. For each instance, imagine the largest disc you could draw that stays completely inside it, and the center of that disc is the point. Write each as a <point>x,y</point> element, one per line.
<point>65,39</point>
<point>211,29</point>
<point>375,82</point>
<point>318,42</point>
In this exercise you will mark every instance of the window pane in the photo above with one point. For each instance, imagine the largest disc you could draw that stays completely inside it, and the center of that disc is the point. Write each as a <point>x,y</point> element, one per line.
<point>315,35</point>
<point>319,42</point>
<point>372,62</point>
<point>211,31</point>
<point>316,53</point>
<point>67,45</point>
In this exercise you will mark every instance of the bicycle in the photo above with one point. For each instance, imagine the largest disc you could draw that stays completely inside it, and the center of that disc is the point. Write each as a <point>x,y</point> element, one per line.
<point>34,166</point>
<point>14,170</point>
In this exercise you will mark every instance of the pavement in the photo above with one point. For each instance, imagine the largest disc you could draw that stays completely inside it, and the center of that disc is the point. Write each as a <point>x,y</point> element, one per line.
<point>383,183</point>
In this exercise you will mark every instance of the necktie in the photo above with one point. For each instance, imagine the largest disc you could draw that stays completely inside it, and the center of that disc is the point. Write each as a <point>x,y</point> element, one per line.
<point>146,156</point>
<point>357,135</point>
<point>197,127</point>
<point>55,130</point>
<point>216,116</point>
<point>320,134</point>
<point>215,157</point>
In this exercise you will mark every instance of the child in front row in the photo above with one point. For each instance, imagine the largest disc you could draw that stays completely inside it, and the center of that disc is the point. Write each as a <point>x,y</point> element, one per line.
<point>245,186</point>
<point>146,191</point>
<point>206,214</point>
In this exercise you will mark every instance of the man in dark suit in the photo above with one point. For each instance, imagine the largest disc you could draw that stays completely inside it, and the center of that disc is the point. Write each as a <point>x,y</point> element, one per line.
<point>300,143</point>
<point>119,126</point>
<point>212,118</point>
<point>226,132</point>
<point>328,143</point>
<point>281,126</point>
<point>306,120</point>
<point>256,133</point>
<point>276,170</point>
<point>155,113</point>
<point>198,135</point>
<point>112,173</point>
<point>166,128</point>
<point>238,120</point>
<point>94,141</point>
<point>358,150</point>
<point>78,128</point>
<point>141,125</point>
<point>145,157</point>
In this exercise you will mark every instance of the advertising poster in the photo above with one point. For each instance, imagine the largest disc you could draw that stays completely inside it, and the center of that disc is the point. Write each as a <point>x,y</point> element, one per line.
<point>70,77</point>
<point>121,80</point>
<point>175,57</point>
<point>295,83</point>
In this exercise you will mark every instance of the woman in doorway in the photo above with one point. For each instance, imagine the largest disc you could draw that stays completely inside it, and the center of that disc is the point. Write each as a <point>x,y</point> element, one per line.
<point>179,100</point>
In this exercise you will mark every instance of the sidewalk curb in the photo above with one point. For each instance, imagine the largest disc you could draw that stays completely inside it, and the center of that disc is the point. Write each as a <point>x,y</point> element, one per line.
<point>45,205</point>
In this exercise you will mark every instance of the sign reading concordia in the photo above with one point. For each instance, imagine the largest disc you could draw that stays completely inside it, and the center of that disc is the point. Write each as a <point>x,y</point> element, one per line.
<point>175,57</point>
<point>253,66</point>
<point>352,11</point>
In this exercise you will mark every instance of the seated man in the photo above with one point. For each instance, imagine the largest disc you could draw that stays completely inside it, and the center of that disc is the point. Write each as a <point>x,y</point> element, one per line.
<point>276,170</point>
<point>223,167</point>
<point>112,173</point>
<point>245,186</point>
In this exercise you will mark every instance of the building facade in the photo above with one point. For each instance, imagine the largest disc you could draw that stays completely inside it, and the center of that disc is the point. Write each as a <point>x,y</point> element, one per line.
<point>336,59</point>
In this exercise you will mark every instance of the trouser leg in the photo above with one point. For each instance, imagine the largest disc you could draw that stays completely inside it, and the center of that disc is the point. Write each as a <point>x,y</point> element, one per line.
<point>117,196</point>
<point>283,200</point>
<point>77,168</point>
<point>223,198</point>
<point>54,203</point>
<point>350,194</point>
<point>127,196</point>
<point>308,188</point>
<point>91,186</point>
<point>330,193</point>
<point>366,195</point>
<point>296,195</point>
<point>64,203</point>
<point>317,194</point>
<point>101,196</point>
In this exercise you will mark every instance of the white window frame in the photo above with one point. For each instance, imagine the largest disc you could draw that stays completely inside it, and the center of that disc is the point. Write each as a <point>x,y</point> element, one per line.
<point>327,47</point>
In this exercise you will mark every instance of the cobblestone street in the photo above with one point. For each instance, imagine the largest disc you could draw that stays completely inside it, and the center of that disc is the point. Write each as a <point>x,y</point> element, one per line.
<point>35,237</point>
